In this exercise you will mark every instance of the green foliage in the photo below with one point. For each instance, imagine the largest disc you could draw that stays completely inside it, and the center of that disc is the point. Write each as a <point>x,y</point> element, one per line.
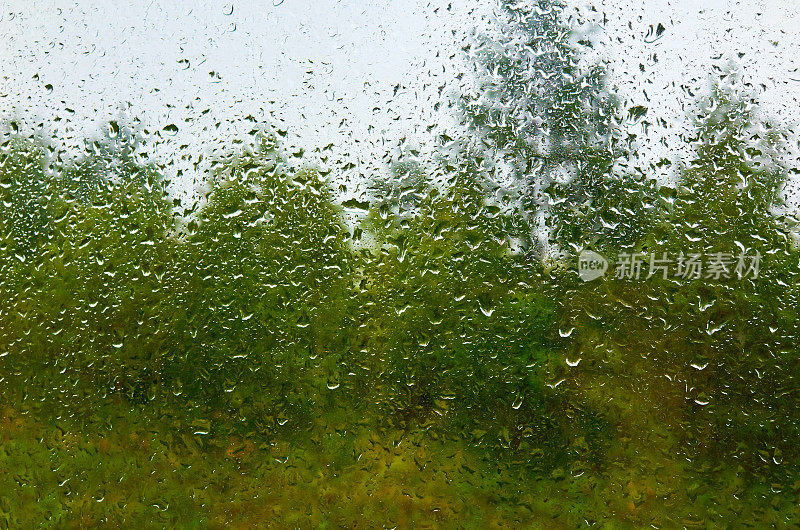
<point>23,166</point>
<point>89,313</point>
<point>746,328</point>
<point>252,343</point>
<point>265,307</point>
<point>540,109</point>
<point>696,373</point>
<point>457,327</point>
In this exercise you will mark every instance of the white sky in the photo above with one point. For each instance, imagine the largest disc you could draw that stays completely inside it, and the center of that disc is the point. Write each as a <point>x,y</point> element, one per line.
<point>327,70</point>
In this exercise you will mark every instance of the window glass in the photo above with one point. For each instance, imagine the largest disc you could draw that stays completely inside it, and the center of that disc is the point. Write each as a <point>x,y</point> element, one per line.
<point>399,263</point>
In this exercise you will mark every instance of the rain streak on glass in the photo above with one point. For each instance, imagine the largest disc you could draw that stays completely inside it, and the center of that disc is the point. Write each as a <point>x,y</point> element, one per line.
<point>527,264</point>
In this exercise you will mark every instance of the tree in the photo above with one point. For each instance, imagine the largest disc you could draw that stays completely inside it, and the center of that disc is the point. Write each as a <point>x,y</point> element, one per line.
<point>267,273</point>
<point>550,121</point>
<point>93,313</point>
<point>694,372</point>
<point>456,328</point>
<point>23,186</point>
<point>728,202</point>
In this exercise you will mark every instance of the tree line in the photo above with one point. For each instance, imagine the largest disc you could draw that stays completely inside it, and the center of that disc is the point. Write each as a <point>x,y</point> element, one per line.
<point>264,310</point>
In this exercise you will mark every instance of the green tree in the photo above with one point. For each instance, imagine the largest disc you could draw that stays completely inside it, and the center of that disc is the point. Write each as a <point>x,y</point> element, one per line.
<point>92,315</point>
<point>268,272</point>
<point>456,327</point>
<point>23,187</point>
<point>743,328</point>
<point>693,373</point>
<point>542,112</point>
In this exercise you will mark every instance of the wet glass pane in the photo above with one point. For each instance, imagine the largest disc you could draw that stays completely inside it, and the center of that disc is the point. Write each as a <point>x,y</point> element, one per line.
<point>295,264</point>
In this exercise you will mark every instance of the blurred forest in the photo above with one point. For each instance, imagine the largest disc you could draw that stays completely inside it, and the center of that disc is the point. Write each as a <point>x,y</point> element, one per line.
<point>261,361</point>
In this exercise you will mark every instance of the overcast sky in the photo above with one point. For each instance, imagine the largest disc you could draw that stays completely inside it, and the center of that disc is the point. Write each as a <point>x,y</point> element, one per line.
<point>358,75</point>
